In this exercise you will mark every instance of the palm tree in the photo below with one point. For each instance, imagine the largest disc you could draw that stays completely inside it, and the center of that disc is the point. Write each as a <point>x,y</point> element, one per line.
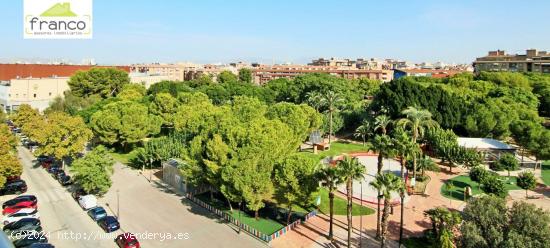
<point>332,101</point>
<point>387,183</point>
<point>417,120</point>
<point>383,145</point>
<point>405,148</point>
<point>330,179</point>
<point>426,164</point>
<point>363,131</point>
<point>350,169</point>
<point>402,191</point>
<point>382,122</point>
<point>313,99</point>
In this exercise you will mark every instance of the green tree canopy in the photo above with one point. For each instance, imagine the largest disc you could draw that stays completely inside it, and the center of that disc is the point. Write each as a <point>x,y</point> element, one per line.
<point>93,171</point>
<point>105,82</point>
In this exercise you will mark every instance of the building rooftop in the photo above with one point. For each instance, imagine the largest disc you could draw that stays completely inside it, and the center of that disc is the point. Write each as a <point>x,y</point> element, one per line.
<point>483,143</point>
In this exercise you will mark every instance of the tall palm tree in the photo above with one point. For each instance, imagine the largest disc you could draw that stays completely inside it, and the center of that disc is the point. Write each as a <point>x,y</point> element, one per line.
<point>351,170</point>
<point>402,191</point>
<point>417,121</point>
<point>387,183</point>
<point>364,131</point>
<point>405,148</point>
<point>313,99</point>
<point>381,123</point>
<point>383,145</point>
<point>330,179</point>
<point>332,101</point>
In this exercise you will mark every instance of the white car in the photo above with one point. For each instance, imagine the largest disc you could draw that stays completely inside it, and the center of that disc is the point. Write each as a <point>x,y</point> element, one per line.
<point>22,213</point>
<point>87,202</point>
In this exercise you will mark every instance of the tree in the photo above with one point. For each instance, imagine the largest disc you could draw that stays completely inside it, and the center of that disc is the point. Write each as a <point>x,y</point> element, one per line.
<point>364,131</point>
<point>405,148</point>
<point>426,164</point>
<point>478,173</point>
<point>350,169</point>
<point>245,75</point>
<point>332,102</point>
<point>330,179</point>
<point>313,99</point>
<point>444,224</point>
<point>124,123</point>
<point>295,178</point>
<point>492,184</point>
<point>381,123</point>
<point>9,164</point>
<point>93,171</point>
<point>417,121</point>
<point>383,145</point>
<point>527,181</point>
<point>132,92</point>
<point>508,162</point>
<point>63,136</point>
<point>226,77</point>
<point>386,184</point>
<point>165,106</point>
<point>105,82</point>
<point>24,115</point>
<point>488,223</point>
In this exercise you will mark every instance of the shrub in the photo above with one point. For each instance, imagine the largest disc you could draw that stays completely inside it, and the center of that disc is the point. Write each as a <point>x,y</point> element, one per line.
<point>491,184</point>
<point>477,173</point>
<point>496,166</point>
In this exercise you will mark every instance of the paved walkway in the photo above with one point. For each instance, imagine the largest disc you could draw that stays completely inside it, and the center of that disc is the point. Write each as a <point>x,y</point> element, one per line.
<point>313,233</point>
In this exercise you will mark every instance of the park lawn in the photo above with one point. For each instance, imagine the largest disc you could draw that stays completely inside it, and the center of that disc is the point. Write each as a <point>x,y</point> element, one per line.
<point>461,182</point>
<point>338,148</point>
<point>120,156</point>
<point>546,172</point>
<point>340,205</point>
<point>264,225</point>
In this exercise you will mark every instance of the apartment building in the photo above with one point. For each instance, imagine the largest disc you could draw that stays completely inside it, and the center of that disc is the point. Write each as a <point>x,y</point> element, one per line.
<point>264,74</point>
<point>36,92</point>
<point>531,61</point>
<point>433,73</point>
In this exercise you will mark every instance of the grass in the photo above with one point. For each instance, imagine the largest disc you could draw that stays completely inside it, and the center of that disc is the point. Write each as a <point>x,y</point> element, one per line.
<point>416,242</point>
<point>546,172</point>
<point>120,156</point>
<point>340,206</point>
<point>461,182</point>
<point>337,148</point>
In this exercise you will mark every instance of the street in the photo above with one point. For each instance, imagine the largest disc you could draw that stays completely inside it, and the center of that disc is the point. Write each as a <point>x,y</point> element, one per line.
<point>62,218</point>
<point>157,216</point>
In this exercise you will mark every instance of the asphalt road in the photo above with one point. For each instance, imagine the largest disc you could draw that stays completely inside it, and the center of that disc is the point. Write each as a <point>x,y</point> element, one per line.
<point>65,223</point>
<point>159,218</point>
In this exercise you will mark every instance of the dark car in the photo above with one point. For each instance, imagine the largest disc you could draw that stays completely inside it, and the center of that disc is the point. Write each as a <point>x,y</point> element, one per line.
<point>30,239</point>
<point>14,187</point>
<point>41,245</point>
<point>78,193</point>
<point>21,223</point>
<point>97,213</point>
<point>53,169</point>
<point>65,180</point>
<point>21,198</point>
<point>109,224</point>
<point>58,174</point>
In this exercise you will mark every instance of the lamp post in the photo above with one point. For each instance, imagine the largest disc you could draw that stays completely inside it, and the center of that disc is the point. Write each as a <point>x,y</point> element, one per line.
<point>118,204</point>
<point>361,217</point>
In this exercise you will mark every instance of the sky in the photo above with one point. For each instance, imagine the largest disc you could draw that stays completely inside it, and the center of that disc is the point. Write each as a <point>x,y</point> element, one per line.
<point>279,31</point>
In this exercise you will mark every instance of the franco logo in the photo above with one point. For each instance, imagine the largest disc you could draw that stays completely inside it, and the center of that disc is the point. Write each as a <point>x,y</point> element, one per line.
<point>50,19</point>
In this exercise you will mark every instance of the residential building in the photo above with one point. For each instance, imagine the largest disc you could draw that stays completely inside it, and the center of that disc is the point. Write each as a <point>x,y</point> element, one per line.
<point>531,61</point>
<point>14,71</point>
<point>146,79</point>
<point>36,92</point>
<point>433,73</point>
<point>264,74</point>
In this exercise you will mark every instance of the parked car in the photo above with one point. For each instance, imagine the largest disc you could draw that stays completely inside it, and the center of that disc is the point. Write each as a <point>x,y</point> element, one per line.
<point>21,223</point>
<point>76,194</point>
<point>59,173</point>
<point>19,206</point>
<point>65,180</point>
<point>25,230</point>
<point>41,245</point>
<point>109,224</point>
<point>14,187</point>
<point>87,202</point>
<point>22,213</point>
<point>97,213</point>
<point>21,198</point>
<point>53,169</point>
<point>29,240</point>
<point>127,240</point>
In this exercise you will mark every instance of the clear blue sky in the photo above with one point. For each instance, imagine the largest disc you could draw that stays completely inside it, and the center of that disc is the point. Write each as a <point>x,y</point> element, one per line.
<point>209,31</point>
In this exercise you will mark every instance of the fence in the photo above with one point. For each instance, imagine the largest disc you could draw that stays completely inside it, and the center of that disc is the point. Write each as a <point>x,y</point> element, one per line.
<point>245,227</point>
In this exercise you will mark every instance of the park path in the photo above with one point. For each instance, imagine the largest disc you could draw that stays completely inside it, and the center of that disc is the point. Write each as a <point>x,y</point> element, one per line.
<point>313,232</point>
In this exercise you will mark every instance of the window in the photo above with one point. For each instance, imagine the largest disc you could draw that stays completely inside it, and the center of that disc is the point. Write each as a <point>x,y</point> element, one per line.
<point>34,95</point>
<point>50,94</point>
